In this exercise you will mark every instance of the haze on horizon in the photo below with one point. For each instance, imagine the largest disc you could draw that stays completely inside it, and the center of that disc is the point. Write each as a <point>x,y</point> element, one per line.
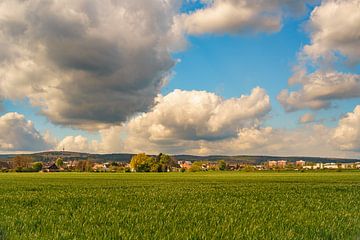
<point>233,77</point>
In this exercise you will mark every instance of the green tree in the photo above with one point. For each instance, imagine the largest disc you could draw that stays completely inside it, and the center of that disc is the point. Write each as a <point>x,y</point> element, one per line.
<point>221,165</point>
<point>59,162</point>
<point>249,168</point>
<point>37,166</point>
<point>166,162</point>
<point>196,167</point>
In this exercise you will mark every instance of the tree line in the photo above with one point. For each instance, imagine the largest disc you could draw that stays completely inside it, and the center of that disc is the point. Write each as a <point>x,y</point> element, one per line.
<point>138,163</point>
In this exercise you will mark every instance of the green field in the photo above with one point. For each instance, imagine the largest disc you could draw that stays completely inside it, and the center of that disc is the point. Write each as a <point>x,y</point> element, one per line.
<point>217,205</point>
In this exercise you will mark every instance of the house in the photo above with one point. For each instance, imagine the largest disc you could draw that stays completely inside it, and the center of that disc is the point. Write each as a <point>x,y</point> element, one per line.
<point>331,166</point>
<point>51,168</point>
<point>319,166</point>
<point>300,163</point>
<point>357,165</point>
<point>232,167</point>
<point>308,167</point>
<point>272,164</point>
<point>259,167</point>
<point>100,167</point>
<point>4,166</point>
<point>185,164</point>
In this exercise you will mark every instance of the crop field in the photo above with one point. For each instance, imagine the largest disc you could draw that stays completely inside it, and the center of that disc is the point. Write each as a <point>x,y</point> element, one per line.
<point>213,205</point>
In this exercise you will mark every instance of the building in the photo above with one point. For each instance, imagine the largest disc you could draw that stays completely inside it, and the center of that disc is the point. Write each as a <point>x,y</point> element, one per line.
<point>100,167</point>
<point>281,163</point>
<point>272,164</point>
<point>308,167</point>
<point>300,163</point>
<point>346,165</point>
<point>319,166</point>
<point>185,164</point>
<point>51,168</point>
<point>331,166</point>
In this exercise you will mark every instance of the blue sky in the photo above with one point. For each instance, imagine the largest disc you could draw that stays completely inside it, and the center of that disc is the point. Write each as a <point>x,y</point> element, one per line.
<point>222,57</point>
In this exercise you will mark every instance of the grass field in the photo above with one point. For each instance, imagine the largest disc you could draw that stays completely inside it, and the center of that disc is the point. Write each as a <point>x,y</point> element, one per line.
<point>228,205</point>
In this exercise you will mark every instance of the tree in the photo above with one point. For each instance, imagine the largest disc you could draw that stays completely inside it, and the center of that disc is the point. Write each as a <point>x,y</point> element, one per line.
<point>249,168</point>
<point>20,162</point>
<point>59,162</point>
<point>222,165</point>
<point>141,162</point>
<point>196,167</point>
<point>84,166</point>
<point>166,162</point>
<point>155,167</point>
<point>37,166</point>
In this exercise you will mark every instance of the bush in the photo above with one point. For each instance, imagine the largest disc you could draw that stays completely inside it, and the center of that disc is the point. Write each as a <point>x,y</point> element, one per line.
<point>37,166</point>
<point>24,169</point>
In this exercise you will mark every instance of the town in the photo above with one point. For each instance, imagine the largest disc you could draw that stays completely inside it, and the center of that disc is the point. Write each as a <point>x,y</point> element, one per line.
<point>164,163</point>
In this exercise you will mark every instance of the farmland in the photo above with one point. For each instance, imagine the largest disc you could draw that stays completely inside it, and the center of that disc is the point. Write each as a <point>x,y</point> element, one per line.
<point>211,205</point>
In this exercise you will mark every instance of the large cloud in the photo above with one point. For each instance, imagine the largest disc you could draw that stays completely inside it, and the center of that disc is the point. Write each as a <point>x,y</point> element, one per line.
<point>19,134</point>
<point>319,88</point>
<point>85,63</point>
<point>196,115</point>
<point>335,28</point>
<point>347,134</point>
<point>240,16</point>
<point>334,31</point>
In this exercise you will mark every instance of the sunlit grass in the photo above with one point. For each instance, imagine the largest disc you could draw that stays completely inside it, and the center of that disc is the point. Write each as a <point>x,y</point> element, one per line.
<point>215,205</point>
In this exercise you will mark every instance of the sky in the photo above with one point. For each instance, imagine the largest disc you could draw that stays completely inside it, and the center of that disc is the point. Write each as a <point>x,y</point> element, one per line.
<point>232,77</point>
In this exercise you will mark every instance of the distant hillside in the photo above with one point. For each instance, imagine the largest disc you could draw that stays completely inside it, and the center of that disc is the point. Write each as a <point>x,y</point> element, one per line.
<point>51,156</point>
<point>125,157</point>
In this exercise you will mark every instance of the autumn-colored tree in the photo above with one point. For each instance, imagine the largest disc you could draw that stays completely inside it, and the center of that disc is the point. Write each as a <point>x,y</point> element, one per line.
<point>21,162</point>
<point>141,162</point>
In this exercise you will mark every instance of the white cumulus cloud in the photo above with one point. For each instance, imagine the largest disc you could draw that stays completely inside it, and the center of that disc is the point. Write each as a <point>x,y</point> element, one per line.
<point>19,134</point>
<point>240,16</point>
<point>110,141</point>
<point>347,133</point>
<point>319,89</point>
<point>335,28</point>
<point>194,115</point>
